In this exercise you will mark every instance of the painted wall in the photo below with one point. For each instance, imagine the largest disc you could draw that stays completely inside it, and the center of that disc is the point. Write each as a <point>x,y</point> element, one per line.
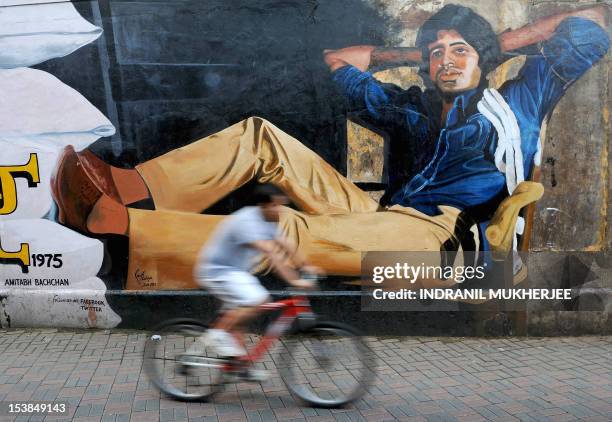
<point>125,82</point>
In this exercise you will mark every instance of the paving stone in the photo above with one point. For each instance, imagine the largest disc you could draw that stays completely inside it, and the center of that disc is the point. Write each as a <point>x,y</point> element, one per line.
<point>422,379</point>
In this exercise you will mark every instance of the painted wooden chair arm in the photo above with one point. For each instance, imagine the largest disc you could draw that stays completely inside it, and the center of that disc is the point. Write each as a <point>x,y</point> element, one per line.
<point>500,232</point>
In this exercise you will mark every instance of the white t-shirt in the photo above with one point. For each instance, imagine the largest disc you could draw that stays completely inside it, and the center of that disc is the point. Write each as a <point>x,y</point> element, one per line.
<point>230,246</point>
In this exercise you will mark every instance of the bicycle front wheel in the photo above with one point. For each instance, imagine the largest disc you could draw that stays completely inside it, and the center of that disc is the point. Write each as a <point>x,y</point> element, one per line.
<point>328,365</point>
<point>179,364</point>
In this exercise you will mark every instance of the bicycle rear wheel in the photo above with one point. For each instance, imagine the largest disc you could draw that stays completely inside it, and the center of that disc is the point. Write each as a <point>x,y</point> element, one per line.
<point>179,364</point>
<point>328,365</point>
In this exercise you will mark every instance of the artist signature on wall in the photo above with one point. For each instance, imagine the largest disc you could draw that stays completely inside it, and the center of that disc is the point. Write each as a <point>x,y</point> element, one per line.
<point>144,279</point>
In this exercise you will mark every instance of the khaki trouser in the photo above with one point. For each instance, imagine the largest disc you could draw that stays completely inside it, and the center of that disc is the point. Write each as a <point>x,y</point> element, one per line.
<point>338,222</point>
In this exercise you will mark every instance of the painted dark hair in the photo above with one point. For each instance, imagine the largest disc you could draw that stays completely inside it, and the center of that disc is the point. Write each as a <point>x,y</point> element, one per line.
<point>473,28</point>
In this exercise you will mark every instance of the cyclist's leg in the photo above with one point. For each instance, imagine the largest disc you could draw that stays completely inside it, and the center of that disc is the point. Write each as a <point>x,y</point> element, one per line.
<point>196,176</point>
<point>241,293</point>
<point>234,321</point>
<point>236,318</point>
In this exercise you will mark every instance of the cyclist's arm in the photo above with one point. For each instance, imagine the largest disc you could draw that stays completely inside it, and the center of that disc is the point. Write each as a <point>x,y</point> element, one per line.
<point>288,274</point>
<point>298,260</point>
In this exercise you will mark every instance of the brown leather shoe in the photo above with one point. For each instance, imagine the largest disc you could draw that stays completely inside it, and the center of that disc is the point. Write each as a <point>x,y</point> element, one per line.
<point>80,179</point>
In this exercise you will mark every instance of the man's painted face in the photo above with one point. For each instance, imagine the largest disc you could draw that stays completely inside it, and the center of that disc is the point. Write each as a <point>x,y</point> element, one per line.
<point>453,63</point>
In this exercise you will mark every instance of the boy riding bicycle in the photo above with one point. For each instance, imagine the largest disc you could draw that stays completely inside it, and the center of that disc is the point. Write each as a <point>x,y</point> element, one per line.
<point>225,263</point>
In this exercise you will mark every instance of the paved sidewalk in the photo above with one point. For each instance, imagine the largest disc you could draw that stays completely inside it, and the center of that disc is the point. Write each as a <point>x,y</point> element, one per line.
<point>420,379</point>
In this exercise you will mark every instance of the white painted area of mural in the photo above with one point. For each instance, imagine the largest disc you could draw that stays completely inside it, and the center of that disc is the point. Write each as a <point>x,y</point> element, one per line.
<point>40,111</point>
<point>66,254</point>
<point>75,308</point>
<point>32,31</point>
<point>44,126</point>
<point>40,114</point>
<point>67,296</point>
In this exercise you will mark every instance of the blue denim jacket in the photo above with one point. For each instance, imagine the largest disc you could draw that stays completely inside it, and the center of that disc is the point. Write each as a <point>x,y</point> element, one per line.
<point>454,164</point>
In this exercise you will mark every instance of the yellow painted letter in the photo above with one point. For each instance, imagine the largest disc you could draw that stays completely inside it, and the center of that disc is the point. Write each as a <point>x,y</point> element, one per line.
<point>8,188</point>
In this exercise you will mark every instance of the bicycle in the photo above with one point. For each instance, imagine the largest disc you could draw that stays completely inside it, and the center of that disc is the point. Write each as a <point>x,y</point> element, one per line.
<point>313,352</point>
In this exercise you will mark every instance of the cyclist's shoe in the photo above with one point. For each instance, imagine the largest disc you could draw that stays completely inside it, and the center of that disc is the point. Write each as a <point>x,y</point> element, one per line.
<point>254,375</point>
<point>223,343</point>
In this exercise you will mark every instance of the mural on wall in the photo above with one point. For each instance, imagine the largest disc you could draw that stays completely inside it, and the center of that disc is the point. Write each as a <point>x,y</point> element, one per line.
<point>459,143</point>
<point>46,266</point>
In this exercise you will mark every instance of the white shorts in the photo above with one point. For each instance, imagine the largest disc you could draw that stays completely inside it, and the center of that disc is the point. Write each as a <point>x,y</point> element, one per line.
<point>235,288</point>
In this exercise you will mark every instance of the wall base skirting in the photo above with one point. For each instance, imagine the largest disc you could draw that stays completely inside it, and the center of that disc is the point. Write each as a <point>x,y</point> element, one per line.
<point>64,308</point>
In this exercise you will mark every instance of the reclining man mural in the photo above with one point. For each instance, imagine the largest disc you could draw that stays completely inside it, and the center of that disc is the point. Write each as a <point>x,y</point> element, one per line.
<point>470,147</point>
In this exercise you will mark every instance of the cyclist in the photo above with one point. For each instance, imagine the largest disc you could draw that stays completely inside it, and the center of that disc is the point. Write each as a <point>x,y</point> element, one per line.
<point>225,263</point>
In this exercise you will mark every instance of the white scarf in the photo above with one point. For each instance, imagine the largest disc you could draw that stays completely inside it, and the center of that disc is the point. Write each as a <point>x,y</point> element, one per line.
<point>508,155</point>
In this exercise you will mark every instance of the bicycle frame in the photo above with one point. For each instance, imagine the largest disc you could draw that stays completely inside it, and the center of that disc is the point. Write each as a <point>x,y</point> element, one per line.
<point>291,308</point>
<point>177,381</point>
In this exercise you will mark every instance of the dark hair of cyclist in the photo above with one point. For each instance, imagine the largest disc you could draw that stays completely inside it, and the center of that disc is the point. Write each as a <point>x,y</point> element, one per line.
<point>264,194</point>
<point>473,28</point>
